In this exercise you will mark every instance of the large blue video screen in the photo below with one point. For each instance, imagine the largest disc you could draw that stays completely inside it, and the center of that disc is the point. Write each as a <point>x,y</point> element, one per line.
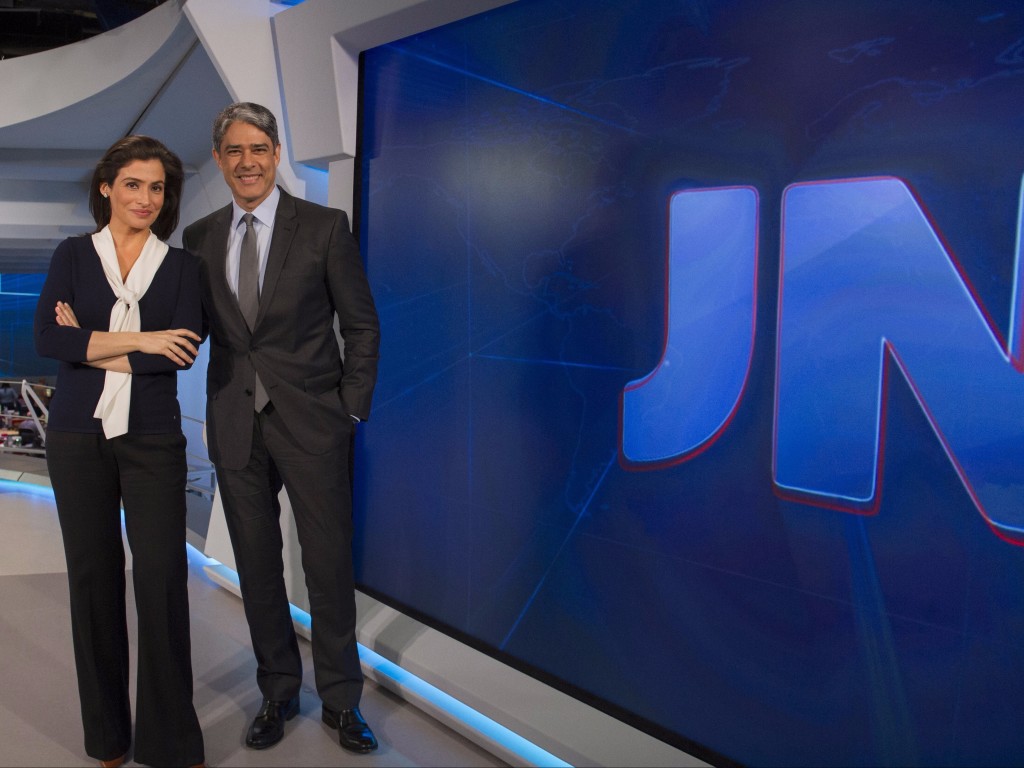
<point>701,390</point>
<point>19,293</point>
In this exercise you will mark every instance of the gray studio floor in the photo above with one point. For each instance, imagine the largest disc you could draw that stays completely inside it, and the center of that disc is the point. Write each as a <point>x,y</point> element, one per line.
<point>39,716</point>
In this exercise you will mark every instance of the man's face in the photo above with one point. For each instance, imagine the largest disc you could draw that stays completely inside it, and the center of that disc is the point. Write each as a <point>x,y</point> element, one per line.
<point>248,160</point>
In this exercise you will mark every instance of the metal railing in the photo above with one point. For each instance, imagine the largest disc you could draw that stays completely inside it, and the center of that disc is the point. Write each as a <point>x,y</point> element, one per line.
<point>15,437</point>
<point>23,426</point>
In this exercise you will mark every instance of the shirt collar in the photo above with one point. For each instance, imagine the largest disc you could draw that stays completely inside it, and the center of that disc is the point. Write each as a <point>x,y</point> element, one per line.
<point>264,212</point>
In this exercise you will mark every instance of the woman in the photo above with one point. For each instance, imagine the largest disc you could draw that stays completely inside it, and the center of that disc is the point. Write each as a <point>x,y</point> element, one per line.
<point>121,311</point>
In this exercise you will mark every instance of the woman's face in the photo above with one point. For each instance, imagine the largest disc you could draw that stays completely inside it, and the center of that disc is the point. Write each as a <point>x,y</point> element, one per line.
<point>136,196</point>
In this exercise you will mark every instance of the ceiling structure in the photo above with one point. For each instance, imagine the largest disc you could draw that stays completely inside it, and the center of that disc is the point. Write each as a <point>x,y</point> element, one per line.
<point>31,26</point>
<point>164,68</point>
<point>63,106</point>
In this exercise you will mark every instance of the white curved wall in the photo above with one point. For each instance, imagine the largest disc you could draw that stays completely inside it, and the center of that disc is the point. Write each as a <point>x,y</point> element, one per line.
<point>62,79</point>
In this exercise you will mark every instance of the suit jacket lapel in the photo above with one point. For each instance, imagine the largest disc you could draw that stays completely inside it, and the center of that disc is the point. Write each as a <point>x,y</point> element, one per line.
<point>223,296</point>
<point>280,242</point>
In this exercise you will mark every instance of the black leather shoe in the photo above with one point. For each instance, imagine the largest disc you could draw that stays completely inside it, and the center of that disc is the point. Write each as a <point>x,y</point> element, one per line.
<point>353,732</point>
<point>268,727</point>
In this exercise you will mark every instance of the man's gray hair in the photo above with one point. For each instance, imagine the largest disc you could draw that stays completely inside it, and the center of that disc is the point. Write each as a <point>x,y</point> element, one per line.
<point>244,112</point>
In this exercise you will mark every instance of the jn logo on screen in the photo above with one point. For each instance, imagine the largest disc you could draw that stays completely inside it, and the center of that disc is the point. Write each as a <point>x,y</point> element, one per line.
<point>867,290</point>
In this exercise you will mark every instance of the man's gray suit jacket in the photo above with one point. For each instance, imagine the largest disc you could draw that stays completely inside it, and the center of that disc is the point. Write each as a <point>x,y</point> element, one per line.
<point>314,272</point>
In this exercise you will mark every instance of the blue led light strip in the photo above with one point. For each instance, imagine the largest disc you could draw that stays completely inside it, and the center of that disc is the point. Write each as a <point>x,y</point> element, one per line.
<point>387,673</point>
<point>411,687</point>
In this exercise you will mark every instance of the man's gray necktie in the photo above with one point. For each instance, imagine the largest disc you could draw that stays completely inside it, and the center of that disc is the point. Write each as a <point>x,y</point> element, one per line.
<point>249,291</point>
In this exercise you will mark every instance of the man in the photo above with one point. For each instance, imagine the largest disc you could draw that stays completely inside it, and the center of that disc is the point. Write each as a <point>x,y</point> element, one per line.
<point>8,397</point>
<point>282,405</point>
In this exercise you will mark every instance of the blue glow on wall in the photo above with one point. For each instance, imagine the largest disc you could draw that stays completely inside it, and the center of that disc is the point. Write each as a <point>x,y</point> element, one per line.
<point>18,296</point>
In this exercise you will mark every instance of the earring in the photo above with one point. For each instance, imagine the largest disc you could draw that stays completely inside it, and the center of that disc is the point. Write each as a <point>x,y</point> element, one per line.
<point>104,195</point>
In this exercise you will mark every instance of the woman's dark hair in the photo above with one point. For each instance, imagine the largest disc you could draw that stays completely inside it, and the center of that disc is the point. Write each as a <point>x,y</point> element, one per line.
<point>128,150</point>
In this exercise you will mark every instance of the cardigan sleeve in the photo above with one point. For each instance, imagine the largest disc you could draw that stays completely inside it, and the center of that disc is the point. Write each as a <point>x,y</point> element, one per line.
<point>52,340</point>
<point>188,313</point>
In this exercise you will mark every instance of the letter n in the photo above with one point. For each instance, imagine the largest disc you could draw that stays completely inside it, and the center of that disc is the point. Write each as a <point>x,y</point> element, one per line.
<point>867,285</point>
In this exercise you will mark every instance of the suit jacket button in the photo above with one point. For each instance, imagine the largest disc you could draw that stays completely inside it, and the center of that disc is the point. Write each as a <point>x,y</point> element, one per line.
<point>248,392</point>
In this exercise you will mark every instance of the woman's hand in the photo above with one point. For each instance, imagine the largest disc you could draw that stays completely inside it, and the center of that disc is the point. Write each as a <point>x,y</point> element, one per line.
<point>174,344</point>
<point>66,315</point>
